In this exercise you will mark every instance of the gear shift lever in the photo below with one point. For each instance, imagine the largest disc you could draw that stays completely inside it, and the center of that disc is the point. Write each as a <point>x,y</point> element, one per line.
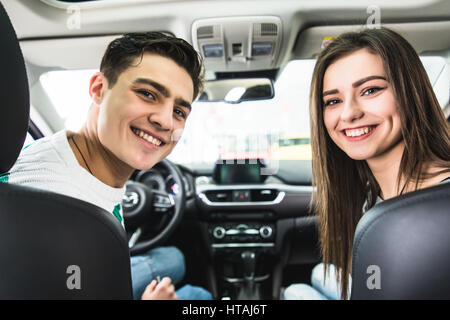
<point>248,259</point>
<point>249,291</point>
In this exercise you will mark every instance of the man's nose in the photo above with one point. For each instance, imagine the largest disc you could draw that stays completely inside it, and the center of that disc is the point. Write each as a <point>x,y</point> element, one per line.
<point>162,118</point>
<point>351,110</point>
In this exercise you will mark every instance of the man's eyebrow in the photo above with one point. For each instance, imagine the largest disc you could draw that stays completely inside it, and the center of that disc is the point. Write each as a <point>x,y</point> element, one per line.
<point>162,89</point>
<point>183,103</point>
<point>354,85</point>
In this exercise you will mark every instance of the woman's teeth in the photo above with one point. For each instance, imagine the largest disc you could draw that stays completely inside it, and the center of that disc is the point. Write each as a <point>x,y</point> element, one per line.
<point>358,132</point>
<point>147,137</point>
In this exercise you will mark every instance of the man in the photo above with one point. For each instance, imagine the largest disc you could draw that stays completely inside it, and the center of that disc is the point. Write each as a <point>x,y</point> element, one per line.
<point>141,99</point>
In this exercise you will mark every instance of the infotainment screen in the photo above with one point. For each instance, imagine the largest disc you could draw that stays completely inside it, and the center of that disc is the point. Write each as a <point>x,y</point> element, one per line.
<point>238,171</point>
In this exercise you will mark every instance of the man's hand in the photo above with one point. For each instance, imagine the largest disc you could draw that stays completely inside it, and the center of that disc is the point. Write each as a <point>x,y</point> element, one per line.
<point>164,290</point>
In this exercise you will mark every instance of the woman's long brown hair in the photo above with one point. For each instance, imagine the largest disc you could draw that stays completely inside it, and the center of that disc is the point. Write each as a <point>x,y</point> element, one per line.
<point>343,185</point>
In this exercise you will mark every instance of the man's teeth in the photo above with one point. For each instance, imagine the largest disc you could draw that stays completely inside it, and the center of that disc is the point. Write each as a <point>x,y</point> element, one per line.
<point>358,132</point>
<point>147,137</point>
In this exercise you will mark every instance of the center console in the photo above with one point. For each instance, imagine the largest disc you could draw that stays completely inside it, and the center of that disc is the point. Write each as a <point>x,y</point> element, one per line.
<point>240,229</point>
<point>243,255</point>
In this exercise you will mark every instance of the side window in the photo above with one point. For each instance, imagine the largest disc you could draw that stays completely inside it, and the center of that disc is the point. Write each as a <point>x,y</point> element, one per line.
<point>28,140</point>
<point>68,91</point>
<point>439,74</point>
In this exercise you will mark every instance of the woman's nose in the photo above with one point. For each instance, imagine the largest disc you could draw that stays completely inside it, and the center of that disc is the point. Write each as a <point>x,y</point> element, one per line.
<point>351,110</point>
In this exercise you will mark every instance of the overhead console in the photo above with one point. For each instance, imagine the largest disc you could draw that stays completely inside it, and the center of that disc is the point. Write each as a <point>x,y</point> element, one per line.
<point>238,43</point>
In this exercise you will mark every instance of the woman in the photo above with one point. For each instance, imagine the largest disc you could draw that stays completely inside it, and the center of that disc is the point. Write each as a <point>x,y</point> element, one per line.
<point>377,132</point>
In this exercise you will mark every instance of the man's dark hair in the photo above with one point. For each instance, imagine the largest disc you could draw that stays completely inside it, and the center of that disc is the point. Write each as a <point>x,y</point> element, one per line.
<point>122,52</point>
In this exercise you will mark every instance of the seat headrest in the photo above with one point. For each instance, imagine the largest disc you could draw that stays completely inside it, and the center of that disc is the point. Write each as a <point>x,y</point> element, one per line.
<point>401,248</point>
<point>14,95</point>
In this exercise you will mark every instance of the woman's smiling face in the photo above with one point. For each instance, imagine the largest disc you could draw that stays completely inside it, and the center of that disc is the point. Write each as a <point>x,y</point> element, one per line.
<point>360,110</point>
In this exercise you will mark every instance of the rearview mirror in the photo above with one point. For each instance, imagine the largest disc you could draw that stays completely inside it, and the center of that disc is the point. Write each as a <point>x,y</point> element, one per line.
<point>237,90</point>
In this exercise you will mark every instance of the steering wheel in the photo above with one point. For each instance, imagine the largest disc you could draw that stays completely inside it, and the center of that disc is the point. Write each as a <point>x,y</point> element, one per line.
<point>141,205</point>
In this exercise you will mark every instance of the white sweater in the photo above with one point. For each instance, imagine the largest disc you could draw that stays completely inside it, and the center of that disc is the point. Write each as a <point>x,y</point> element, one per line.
<point>50,164</point>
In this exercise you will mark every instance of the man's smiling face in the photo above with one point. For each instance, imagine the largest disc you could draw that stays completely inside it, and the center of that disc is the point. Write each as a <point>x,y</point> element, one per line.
<point>141,117</point>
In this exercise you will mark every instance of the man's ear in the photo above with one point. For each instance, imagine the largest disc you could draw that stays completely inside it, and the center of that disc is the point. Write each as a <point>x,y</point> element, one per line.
<point>97,87</point>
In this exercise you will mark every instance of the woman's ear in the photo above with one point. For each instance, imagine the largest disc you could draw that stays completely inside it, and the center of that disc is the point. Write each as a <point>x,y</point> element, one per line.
<point>97,86</point>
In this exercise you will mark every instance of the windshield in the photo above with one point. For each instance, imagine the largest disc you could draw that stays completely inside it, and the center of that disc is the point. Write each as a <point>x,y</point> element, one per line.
<point>251,129</point>
<point>275,129</point>
<point>214,130</point>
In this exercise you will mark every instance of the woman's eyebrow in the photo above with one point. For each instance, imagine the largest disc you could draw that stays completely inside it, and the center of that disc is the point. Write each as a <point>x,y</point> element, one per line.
<point>355,84</point>
<point>363,80</point>
<point>326,93</point>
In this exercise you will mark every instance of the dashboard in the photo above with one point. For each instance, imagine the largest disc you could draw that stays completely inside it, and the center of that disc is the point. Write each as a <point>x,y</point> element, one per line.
<point>232,211</point>
<point>234,187</point>
<point>238,205</point>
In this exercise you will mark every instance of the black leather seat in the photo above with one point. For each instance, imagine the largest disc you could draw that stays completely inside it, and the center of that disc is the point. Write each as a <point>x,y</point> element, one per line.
<point>401,248</point>
<point>51,246</point>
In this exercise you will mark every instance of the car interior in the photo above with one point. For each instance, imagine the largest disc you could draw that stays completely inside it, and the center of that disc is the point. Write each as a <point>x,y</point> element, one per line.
<point>235,194</point>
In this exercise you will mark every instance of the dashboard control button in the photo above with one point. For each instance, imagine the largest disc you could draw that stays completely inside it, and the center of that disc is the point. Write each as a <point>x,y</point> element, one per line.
<point>219,232</point>
<point>265,232</point>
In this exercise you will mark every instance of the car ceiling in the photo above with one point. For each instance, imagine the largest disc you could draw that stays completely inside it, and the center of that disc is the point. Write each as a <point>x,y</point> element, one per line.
<point>40,20</point>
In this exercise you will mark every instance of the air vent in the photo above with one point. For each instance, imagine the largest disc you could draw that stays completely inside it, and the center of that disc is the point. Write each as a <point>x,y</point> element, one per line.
<point>258,195</point>
<point>206,32</point>
<point>264,194</point>
<point>219,196</point>
<point>265,29</point>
